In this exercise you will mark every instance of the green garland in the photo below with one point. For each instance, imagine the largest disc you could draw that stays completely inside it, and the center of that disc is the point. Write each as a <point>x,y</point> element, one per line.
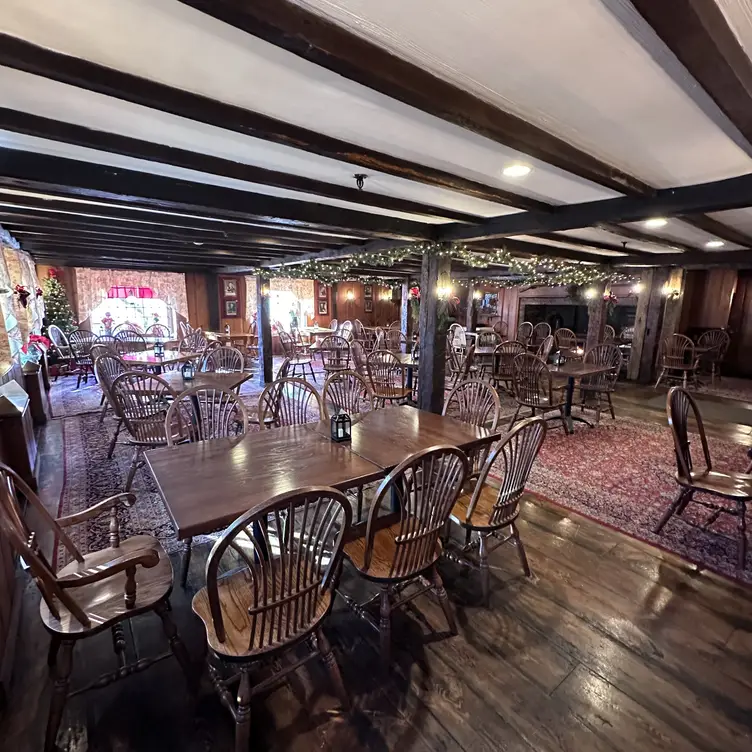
<point>534,271</point>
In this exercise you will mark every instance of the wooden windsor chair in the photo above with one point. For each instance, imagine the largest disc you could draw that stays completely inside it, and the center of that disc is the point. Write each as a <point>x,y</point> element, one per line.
<point>387,377</point>
<point>184,329</point>
<point>491,508</point>
<point>63,348</point>
<point>346,391</point>
<point>253,415</point>
<point>714,344</point>
<point>283,559</point>
<point>158,330</point>
<point>544,349</point>
<point>540,332</point>
<point>476,402</point>
<point>108,341</point>
<point>501,328</point>
<point>394,340</point>
<point>130,341</point>
<point>193,342</point>
<point>224,359</point>
<point>566,343</point>
<point>289,402</point>
<point>107,367</point>
<point>609,334</point>
<point>97,591</point>
<point>203,413</point>
<point>142,399</point>
<point>359,358</point>
<point>677,360</point>
<point>533,388</point>
<point>335,353</point>
<point>503,360</point>
<point>700,477</point>
<point>81,341</point>
<point>525,332</point>
<point>461,368</point>
<point>600,385</point>
<point>400,548</point>
<point>298,359</point>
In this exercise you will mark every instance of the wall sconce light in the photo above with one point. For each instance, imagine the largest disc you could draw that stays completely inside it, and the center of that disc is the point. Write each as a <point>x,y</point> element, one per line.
<point>443,292</point>
<point>477,295</point>
<point>590,293</point>
<point>265,290</point>
<point>350,296</point>
<point>669,292</point>
<point>637,288</point>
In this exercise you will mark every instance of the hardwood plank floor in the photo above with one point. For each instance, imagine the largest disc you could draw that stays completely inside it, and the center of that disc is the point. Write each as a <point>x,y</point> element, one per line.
<point>611,645</point>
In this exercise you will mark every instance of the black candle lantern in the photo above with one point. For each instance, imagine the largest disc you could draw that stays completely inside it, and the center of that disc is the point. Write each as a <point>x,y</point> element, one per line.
<point>341,426</point>
<point>558,358</point>
<point>188,371</point>
<point>159,349</point>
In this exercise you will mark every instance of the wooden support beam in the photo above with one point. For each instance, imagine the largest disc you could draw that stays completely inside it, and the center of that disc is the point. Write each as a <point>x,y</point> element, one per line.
<point>471,313</point>
<point>597,311</point>
<point>673,305</point>
<point>40,172</point>
<point>648,321</point>
<point>264,330</point>
<point>405,308</point>
<point>113,143</point>
<point>433,330</point>
<point>22,55</point>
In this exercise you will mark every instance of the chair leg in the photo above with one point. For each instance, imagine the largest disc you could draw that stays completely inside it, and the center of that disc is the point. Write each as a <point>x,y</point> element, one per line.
<point>63,668</point>
<point>111,448</point>
<point>53,651</point>
<point>520,550</point>
<point>514,417</point>
<point>332,668</point>
<point>313,375</point>
<point>385,626</point>
<point>360,502</point>
<point>78,382</point>
<point>441,594</point>
<point>186,562</point>
<point>176,644</point>
<point>742,549</point>
<point>485,575</point>
<point>610,405</point>
<point>684,379</point>
<point>243,712</point>
<point>675,505</point>
<point>133,468</point>
<point>660,377</point>
<point>564,420</point>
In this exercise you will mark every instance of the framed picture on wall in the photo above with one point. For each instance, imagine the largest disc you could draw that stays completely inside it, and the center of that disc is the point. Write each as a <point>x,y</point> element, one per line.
<point>323,292</point>
<point>368,306</point>
<point>231,308</point>
<point>230,288</point>
<point>323,308</point>
<point>367,291</point>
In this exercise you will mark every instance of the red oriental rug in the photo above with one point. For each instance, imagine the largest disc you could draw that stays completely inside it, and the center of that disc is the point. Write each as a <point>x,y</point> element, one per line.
<point>621,474</point>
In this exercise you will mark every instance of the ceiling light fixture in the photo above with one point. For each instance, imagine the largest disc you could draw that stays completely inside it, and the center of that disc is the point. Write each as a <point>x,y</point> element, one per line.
<point>655,223</point>
<point>516,170</point>
<point>714,244</point>
<point>195,242</point>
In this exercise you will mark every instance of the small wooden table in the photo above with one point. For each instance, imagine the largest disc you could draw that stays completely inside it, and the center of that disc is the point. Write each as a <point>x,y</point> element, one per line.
<point>149,359</point>
<point>217,380</point>
<point>571,371</point>
<point>409,364</point>
<point>316,331</point>
<point>209,484</point>
<point>387,436</point>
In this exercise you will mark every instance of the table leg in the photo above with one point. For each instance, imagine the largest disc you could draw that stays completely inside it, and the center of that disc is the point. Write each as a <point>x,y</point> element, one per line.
<point>568,417</point>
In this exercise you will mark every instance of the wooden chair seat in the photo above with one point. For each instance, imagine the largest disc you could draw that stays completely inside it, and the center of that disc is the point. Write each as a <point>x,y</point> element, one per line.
<point>390,391</point>
<point>383,556</point>
<point>104,601</point>
<point>237,597</point>
<point>300,360</point>
<point>483,509</point>
<point>730,485</point>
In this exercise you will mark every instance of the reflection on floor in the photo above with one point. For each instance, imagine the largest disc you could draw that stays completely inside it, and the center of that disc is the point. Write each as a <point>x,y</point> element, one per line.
<point>612,645</point>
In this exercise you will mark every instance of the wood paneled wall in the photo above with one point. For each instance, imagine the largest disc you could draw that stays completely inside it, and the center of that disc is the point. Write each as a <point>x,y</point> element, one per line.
<point>196,289</point>
<point>383,313</point>
<point>238,324</point>
<point>708,295</point>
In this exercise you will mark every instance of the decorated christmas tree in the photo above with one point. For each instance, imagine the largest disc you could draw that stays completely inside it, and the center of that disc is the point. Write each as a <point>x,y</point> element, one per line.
<point>56,306</point>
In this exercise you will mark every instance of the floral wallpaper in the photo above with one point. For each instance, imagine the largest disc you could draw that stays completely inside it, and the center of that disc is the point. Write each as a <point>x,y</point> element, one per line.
<point>92,286</point>
<point>302,288</point>
<point>17,268</point>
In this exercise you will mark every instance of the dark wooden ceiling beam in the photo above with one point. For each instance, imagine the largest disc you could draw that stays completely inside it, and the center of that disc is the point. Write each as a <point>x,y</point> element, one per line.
<point>732,193</point>
<point>22,55</point>
<point>696,259</point>
<point>697,32</point>
<point>39,172</point>
<point>333,47</point>
<point>119,263</point>
<point>632,233</point>
<point>55,130</point>
<point>320,41</point>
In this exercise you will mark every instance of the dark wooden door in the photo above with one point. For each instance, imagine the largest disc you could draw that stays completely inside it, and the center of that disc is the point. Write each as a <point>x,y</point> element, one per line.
<point>739,357</point>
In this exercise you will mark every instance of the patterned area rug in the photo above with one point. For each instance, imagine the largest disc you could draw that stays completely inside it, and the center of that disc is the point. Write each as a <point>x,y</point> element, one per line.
<point>733,388</point>
<point>621,474</point>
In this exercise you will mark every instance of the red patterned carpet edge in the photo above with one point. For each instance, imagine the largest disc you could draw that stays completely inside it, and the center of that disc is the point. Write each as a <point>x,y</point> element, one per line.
<point>621,475</point>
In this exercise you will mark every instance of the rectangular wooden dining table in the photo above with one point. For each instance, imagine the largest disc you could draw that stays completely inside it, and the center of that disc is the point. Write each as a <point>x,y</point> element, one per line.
<point>208,379</point>
<point>157,363</point>
<point>207,485</point>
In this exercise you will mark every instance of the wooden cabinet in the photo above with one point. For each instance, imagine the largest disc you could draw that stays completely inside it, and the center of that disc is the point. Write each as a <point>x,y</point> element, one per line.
<point>18,445</point>
<point>34,385</point>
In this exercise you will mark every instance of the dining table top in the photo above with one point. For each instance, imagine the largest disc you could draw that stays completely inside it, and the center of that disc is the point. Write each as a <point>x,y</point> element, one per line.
<point>575,369</point>
<point>148,358</point>
<point>210,379</point>
<point>206,485</point>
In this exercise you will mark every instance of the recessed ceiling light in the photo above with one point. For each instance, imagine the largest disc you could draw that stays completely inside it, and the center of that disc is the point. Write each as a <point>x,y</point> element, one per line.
<point>516,170</point>
<point>655,223</point>
<point>714,244</point>
<point>195,242</point>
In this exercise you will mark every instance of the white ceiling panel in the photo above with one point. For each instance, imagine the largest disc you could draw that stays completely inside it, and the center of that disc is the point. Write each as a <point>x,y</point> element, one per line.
<point>46,98</point>
<point>739,219</point>
<point>167,41</point>
<point>595,235</point>
<point>675,229</point>
<point>570,246</point>
<point>583,70</point>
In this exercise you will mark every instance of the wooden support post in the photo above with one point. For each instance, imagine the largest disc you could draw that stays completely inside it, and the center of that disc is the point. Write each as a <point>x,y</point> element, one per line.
<point>471,315</point>
<point>333,306</point>
<point>434,272</point>
<point>672,308</point>
<point>405,308</point>
<point>212,300</point>
<point>264,330</point>
<point>597,310</point>
<point>648,321</point>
